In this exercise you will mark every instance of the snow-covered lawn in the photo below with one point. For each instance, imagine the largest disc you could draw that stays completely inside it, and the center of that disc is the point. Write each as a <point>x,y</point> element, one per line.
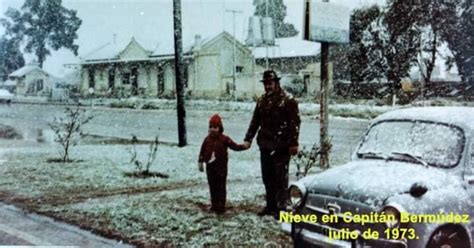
<point>95,194</point>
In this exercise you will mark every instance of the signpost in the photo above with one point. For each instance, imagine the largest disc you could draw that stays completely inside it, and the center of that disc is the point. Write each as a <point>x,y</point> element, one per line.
<point>326,23</point>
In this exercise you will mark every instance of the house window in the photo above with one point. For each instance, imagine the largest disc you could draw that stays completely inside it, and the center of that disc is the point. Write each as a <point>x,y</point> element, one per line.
<point>239,69</point>
<point>111,78</point>
<point>39,85</point>
<point>125,77</point>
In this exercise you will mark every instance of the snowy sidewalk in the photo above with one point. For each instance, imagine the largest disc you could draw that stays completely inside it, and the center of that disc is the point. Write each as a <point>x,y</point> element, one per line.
<point>21,228</point>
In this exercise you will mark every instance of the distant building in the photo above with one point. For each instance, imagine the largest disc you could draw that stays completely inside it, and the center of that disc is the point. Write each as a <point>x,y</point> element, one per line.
<point>289,55</point>
<point>135,70</point>
<point>29,80</point>
<point>293,58</point>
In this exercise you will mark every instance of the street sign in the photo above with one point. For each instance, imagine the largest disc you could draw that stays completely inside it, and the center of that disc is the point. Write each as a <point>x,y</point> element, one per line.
<point>325,21</point>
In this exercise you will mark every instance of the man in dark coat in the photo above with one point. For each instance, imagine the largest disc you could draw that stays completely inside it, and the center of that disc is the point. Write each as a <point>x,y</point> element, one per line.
<point>276,118</point>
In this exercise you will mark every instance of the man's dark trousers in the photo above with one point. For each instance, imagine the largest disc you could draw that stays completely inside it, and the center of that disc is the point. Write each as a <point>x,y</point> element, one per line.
<point>275,177</point>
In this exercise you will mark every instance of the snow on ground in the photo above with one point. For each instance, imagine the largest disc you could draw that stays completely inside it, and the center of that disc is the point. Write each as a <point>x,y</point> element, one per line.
<point>95,193</point>
<point>178,216</point>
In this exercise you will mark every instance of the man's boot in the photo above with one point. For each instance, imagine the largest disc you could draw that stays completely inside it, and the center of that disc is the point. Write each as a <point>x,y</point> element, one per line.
<point>266,211</point>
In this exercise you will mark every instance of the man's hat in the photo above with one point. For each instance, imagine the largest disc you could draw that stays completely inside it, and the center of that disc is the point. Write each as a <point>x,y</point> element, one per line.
<point>270,75</point>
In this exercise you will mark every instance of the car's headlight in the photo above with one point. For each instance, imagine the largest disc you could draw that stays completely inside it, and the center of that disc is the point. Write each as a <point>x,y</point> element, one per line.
<point>393,214</point>
<point>296,195</point>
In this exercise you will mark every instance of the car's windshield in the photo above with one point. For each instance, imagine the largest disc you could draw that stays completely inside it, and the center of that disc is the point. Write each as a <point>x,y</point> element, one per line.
<point>434,143</point>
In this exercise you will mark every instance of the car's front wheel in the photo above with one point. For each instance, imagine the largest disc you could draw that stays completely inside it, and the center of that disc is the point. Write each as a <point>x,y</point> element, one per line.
<point>450,236</point>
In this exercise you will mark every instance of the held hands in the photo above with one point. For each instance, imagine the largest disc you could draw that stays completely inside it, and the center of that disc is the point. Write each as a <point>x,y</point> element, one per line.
<point>293,150</point>
<point>247,144</point>
<point>200,166</point>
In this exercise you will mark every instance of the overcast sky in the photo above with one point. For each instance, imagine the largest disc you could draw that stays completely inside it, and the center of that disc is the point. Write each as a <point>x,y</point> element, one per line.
<point>151,23</point>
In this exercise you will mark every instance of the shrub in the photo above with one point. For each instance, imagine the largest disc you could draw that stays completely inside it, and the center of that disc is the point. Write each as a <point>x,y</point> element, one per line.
<point>305,160</point>
<point>68,129</point>
<point>142,168</point>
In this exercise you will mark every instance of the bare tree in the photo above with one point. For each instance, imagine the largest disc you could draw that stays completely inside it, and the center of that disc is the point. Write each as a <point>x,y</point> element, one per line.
<point>68,129</point>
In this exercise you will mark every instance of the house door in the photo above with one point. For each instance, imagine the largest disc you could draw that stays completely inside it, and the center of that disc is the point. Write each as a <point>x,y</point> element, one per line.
<point>91,78</point>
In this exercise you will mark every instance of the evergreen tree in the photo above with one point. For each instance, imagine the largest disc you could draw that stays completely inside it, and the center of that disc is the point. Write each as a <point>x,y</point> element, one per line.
<point>460,40</point>
<point>277,11</point>
<point>385,46</point>
<point>339,56</point>
<point>11,58</point>
<point>359,49</point>
<point>395,43</point>
<point>43,25</point>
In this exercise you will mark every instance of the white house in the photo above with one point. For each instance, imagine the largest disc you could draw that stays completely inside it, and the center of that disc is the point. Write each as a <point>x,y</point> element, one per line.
<point>211,70</point>
<point>30,80</point>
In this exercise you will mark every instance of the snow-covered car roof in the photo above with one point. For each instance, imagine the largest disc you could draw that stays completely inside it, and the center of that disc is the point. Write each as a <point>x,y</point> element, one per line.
<point>459,116</point>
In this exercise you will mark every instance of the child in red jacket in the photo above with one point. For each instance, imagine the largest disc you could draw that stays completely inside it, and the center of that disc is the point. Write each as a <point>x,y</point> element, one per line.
<point>214,154</point>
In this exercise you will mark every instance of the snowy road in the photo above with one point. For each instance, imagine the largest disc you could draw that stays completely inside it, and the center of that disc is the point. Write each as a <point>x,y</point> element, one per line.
<point>29,119</point>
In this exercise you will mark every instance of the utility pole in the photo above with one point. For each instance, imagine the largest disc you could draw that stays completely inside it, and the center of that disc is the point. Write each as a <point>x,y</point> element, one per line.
<point>233,47</point>
<point>266,46</point>
<point>325,146</point>
<point>178,62</point>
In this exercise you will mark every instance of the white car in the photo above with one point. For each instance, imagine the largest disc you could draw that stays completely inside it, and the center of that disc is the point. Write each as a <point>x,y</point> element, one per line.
<point>6,96</point>
<point>416,163</point>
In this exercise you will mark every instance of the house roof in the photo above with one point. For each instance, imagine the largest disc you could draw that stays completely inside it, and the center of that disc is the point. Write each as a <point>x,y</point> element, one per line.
<point>25,70</point>
<point>111,52</point>
<point>288,47</point>
<point>106,51</point>
<point>223,35</point>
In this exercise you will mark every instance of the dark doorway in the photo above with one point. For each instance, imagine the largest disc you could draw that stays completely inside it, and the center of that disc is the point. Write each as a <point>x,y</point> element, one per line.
<point>134,79</point>
<point>91,78</point>
<point>160,81</point>
<point>111,78</point>
<point>305,84</point>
